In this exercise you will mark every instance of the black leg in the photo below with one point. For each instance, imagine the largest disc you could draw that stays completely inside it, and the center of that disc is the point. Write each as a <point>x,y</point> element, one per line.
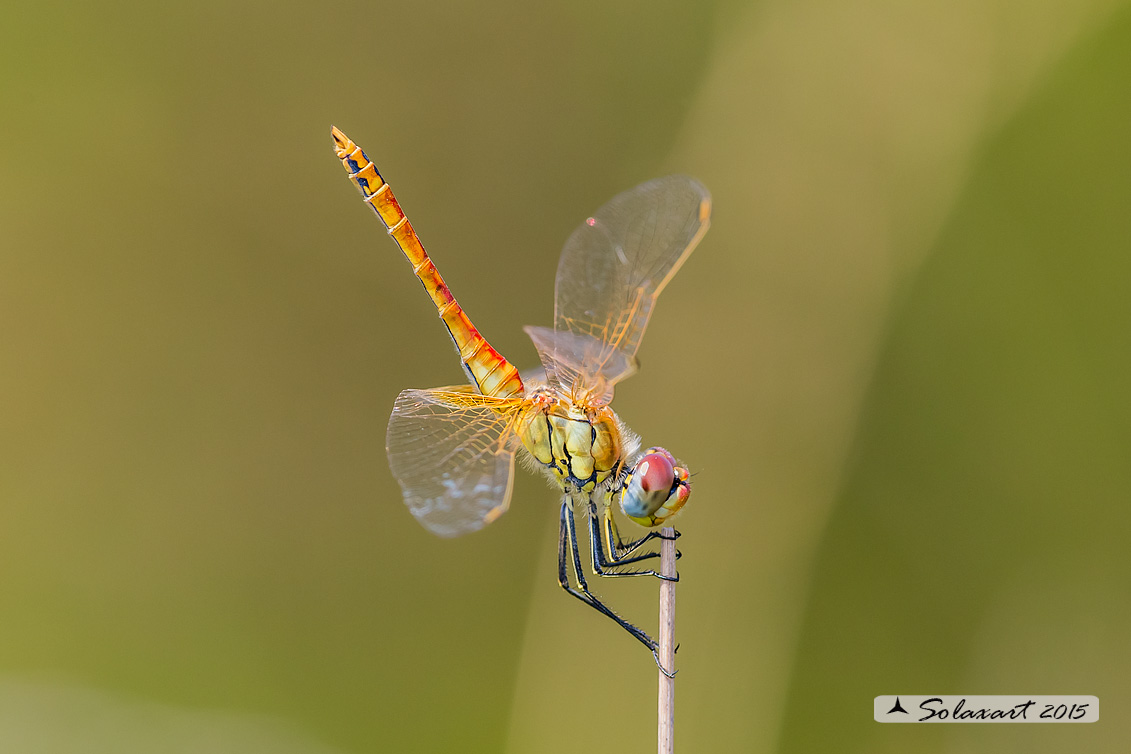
<point>612,536</point>
<point>567,549</point>
<point>616,546</point>
<point>608,551</point>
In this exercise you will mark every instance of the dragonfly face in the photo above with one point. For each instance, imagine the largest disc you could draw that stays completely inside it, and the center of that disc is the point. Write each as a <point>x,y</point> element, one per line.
<point>655,488</point>
<point>452,449</point>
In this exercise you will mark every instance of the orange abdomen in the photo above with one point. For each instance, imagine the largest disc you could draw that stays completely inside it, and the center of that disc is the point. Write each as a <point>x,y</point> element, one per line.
<point>488,370</point>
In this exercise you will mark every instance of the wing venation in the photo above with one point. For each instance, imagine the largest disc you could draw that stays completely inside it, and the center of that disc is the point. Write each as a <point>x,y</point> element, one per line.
<point>613,268</point>
<point>452,452</point>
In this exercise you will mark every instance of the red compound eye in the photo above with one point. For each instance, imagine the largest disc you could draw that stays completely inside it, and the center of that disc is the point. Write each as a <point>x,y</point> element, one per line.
<point>655,473</point>
<point>655,481</point>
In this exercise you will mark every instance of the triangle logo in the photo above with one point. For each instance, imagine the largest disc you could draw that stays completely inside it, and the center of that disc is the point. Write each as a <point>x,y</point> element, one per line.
<point>898,708</point>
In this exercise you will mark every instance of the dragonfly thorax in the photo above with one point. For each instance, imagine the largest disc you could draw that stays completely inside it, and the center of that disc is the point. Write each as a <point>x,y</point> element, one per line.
<point>581,448</point>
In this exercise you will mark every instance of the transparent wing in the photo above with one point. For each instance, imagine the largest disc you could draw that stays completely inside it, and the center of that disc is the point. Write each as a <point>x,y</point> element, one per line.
<point>533,377</point>
<point>580,364</point>
<point>452,451</point>
<point>612,270</point>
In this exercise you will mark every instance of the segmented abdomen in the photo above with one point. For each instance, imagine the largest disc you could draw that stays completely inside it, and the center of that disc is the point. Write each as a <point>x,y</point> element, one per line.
<point>489,371</point>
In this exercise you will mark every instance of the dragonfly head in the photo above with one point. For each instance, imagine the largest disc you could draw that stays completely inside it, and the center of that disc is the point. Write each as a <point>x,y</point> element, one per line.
<point>656,487</point>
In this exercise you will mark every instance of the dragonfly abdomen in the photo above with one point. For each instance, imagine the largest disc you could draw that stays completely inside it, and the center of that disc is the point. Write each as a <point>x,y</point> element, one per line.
<point>490,373</point>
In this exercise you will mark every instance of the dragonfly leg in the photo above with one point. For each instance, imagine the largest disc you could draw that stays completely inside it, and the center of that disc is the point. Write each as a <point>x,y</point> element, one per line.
<point>567,550</point>
<point>612,537</point>
<point>660,665</point>
<point>609,552</point>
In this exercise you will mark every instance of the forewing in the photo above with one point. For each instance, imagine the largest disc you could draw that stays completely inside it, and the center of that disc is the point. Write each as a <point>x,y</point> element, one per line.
<point>534,377</point>
<point>613,268</point>
<point>452,451</point>
<point>565,357</point>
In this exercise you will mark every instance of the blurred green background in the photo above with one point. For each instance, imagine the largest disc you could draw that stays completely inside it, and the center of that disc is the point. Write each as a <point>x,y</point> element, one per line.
<point>898,363</point>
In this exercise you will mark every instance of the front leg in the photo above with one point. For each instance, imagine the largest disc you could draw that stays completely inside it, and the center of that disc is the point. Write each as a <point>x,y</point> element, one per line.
<point>616,547</point>
<point>608,552</point>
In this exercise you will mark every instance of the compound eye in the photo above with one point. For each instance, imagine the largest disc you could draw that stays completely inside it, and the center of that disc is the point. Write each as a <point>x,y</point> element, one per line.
<point>649,485</point>
<point>656,473</point>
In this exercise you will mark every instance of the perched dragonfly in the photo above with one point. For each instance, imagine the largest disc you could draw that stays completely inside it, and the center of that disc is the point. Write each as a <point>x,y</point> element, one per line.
<point>452,449</point>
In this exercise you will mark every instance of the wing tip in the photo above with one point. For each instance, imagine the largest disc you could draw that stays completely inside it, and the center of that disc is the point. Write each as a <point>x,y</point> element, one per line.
<point>705,209</point>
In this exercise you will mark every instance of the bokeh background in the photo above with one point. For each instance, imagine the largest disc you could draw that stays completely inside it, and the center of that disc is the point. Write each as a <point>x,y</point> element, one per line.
<point>898,362</point>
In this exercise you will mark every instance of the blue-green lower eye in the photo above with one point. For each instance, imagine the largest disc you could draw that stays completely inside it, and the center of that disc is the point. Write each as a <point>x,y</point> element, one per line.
<point>649,485</point>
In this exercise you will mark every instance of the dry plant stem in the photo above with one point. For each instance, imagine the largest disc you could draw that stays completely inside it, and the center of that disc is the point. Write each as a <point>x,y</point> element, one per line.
<point>666,653</point>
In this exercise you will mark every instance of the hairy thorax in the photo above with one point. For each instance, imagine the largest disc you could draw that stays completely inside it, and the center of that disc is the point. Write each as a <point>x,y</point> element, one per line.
<point>581,447</point>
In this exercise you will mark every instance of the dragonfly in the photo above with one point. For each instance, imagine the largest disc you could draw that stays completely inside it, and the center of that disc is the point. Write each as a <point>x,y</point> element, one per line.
<point>452,449</point>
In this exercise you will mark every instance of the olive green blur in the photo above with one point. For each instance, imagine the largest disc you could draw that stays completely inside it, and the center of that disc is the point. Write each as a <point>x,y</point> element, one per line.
<point>898,366</point>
